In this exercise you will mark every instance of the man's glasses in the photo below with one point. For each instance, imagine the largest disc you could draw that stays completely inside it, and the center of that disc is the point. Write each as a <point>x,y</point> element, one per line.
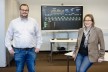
<point>24,10</point>
<point>87,20</point>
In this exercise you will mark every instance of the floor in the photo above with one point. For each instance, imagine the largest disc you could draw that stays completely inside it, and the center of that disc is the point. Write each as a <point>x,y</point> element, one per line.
<point>59,64</point>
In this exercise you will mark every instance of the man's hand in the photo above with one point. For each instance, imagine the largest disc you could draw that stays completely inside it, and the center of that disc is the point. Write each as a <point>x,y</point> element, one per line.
<point>37,50</point>
<point>11,52</point>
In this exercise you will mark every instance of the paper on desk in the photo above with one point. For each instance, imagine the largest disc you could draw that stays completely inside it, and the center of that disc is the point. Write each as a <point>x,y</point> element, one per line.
<point>69,54</point>
<point>105,56</point>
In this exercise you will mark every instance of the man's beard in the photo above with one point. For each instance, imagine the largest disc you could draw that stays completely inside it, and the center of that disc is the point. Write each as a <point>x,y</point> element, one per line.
<point>24,16</point>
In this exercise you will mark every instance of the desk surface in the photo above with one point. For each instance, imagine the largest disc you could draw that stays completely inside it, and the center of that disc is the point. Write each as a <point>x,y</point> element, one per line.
<point>105,56</point>
<point>68,54</point>
<point>68,40</point>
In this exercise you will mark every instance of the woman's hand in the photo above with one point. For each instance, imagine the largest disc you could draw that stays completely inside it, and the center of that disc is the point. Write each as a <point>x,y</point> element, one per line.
<point>73,55</point>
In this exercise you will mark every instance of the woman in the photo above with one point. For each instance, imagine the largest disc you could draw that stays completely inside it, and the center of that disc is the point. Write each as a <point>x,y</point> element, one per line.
<point>90,46</point>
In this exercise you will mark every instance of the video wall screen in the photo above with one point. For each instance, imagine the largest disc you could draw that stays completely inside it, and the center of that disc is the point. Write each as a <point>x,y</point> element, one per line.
<point>61,17</point>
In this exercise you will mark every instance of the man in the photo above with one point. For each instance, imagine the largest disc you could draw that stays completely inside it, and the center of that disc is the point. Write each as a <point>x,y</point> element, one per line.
<point>23,40</point>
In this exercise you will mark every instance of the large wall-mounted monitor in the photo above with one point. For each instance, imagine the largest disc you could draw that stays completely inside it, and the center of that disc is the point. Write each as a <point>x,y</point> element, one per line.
<point>61,17</point>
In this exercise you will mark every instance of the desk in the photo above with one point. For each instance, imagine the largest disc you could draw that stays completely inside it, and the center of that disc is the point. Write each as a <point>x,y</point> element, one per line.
<point>69,54</point>
<point>58,41</point>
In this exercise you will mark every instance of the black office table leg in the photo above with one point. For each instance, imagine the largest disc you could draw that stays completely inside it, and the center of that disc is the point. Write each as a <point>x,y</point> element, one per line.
<point>67,63</point>
<point>51,52</point>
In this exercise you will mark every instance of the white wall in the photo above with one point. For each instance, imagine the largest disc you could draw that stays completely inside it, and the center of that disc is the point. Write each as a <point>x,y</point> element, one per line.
<point>2,34</point>
<point>8,11</point>
<point>97,8</point>
<point>11,12</point>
